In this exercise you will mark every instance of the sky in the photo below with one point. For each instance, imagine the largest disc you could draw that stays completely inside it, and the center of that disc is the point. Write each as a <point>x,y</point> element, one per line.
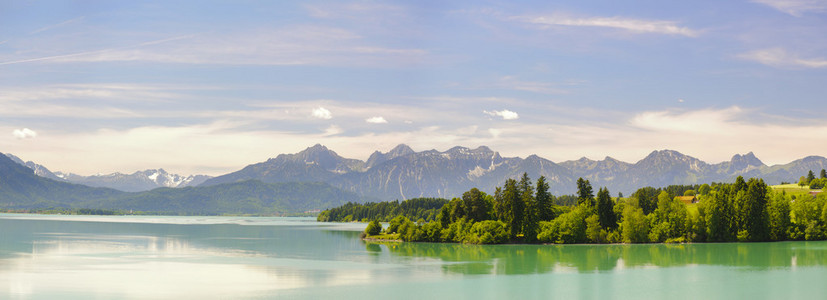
<point>207,87</point>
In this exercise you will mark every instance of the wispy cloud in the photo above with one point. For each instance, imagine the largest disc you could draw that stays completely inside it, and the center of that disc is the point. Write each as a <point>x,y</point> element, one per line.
<point>778,57</point>
<point>505,114</point>
<point>796,7</point>
<point>626,24</point>
<point>293,45</point>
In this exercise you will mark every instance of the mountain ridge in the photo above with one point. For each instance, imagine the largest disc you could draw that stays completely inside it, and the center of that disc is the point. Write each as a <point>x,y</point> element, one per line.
<point>402,173</point>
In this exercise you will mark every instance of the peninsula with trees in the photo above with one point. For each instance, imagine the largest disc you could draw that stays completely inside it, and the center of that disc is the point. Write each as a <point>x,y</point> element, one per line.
<point>522,211</point>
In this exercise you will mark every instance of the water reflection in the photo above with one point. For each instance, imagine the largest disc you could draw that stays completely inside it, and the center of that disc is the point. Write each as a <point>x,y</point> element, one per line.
<point>533,259</point>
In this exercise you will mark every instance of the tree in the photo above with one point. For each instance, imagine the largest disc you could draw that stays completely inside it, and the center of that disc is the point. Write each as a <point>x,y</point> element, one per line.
<point>475,205</point>
<point>802,181</point>
<point>635,227</point>
<point>810,176</point>
<point>513,207</point>
<point>779,213</point>
<point>756,221</point>
<point>585,194</point>
<point>689,193</point>
<point>605,211</point>
<point>530,222</point>
<point>645,199</point>
<point>718,213</point>
<point>374,228</point>
<point>823,174</point>
<point>704,189</point>
<point>544,201</point>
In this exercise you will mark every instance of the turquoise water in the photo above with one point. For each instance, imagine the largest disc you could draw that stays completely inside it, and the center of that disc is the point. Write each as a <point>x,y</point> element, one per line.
<point>126,257</point>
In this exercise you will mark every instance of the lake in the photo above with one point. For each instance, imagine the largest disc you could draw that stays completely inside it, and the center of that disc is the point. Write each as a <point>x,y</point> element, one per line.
<point>152,257</point>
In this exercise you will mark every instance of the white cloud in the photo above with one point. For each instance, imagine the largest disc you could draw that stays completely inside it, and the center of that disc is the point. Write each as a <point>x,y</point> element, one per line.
<point>631,25</point>
<point>796,7</point>
<point>505,114</point>
<point>24,133</point>
<point>322,113</point>
<point>376,120</point>
<point>778,57</point>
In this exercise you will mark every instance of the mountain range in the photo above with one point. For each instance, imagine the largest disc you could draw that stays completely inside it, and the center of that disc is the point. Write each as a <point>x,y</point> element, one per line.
<point>318,178</point>
<point>135,182</point>
<point>402,173</point>
<point>22,189</point>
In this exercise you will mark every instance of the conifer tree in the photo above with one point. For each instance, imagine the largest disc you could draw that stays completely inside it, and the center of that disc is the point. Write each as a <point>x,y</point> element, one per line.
<point>585,194</point>
<point>544,201</point>
<point>605,209</point>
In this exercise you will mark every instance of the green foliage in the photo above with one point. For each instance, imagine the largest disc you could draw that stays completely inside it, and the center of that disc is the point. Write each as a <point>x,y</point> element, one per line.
<point>605,209</point>
<point>802,181</point>
<point>646,199</point>
<point>416,208</point>
<point>689,193</point>
<point>742,211</point>
<point>475,205</point>
<point>635,226</point>
<point>817,183</point>
<point>704,189</point>
<point>568,228</point>
<point>487,232</point>
<point>779,214</point>
<point>810,176</point>
<point>374,228</point>
<point>585,194</point>
<point>823,174</point>
<point>545,204</point>
<point>669,220</point>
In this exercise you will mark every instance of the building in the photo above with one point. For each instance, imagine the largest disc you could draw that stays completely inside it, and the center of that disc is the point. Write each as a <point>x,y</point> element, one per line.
<point>687,199</point>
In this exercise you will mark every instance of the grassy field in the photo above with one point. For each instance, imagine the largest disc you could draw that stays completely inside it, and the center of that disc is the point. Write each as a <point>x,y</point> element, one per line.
<point>792,189</point>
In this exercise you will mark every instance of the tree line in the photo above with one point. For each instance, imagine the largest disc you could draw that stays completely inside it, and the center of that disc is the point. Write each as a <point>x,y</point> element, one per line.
<point>524,212</point>
<point>813,182</point>
<point>414,209</point>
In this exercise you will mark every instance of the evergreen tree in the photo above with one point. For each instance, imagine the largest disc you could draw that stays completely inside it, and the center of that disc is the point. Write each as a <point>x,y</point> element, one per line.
<point>544,201</point>
<point>513,208</point>
<point>810,176</point>
<point>529,218</point>
<point>585,194</point>
<point>740,185</point>
<point>823,174</point>
<point>646,199</point>
<point>779,212</point>
<point>757,219</point>
<point>605,209</point>
<point>475,206</point>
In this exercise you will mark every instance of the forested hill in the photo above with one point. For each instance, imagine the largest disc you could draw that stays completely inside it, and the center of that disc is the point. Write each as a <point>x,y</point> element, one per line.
<point>21,189</point>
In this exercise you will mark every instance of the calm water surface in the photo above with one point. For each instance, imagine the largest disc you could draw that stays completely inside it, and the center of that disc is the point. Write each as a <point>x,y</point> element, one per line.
<point>126,257</point>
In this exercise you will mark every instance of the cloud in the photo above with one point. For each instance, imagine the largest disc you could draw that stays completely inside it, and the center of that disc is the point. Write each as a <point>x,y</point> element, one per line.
<point>796,7</point>
<point>505,114</point>
<point>631,25</point>
<point>290,45</point>
<point>322,113</point>
<point>778,57</point>
<point>376,120</point>
<point>24,133</point>
<point>58,25</point>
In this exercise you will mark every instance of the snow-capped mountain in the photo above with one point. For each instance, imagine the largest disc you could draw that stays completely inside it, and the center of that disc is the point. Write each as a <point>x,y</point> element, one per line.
<point>135,182</point>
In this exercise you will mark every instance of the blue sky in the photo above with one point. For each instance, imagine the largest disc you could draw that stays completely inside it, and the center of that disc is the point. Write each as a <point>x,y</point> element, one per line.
<point>208,87</point>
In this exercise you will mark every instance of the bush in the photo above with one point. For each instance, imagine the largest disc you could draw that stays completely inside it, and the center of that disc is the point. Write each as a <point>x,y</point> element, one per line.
<point>374,228</point>
<point>568,228</point>
<point>487,232</point>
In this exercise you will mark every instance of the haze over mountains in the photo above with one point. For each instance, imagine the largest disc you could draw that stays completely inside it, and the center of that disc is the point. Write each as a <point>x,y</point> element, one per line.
<point>318,178</point>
